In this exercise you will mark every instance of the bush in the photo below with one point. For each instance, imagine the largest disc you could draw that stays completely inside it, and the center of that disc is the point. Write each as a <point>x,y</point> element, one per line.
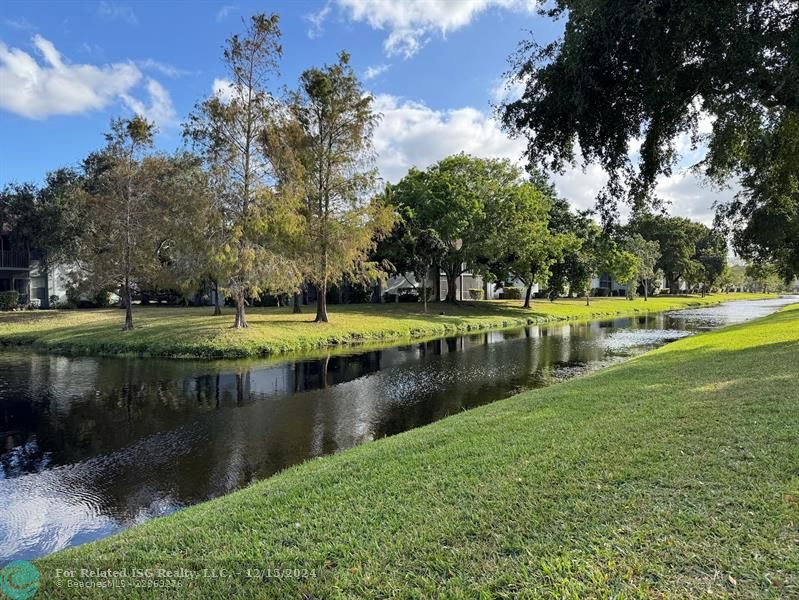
<point>475,294</point>
<point>512,293</point>
<point>73,296</point>
<point>409,297</point>
<point>102,299</point>
<point>53,301</point>
<point>8,300</point>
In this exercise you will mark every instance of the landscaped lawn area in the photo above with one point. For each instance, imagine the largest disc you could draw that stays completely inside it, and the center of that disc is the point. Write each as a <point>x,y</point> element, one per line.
<point>163,331</point>
<point>672,475</point>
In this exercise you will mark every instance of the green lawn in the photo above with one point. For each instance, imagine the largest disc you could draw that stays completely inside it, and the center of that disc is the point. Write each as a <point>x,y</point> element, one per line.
<point>161,331</point>
<point>673,475</point>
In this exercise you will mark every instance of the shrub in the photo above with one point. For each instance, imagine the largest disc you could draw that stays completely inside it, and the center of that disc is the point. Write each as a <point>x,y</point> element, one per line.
<point>53,301</point>
<point>8,300</point>
<point>102,299</point>
<point>512,293</point>
<point>475,293</point>
<point>409,297</point>
<point>73,295</point>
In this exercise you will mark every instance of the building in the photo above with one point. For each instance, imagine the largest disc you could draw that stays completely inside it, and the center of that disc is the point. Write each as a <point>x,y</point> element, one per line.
<point>400,284</point>
<point>15,263</point>
<point>25,271</point>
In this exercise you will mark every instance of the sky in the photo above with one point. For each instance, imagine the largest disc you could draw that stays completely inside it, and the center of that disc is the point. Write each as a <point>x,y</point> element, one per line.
<point>435,67</point>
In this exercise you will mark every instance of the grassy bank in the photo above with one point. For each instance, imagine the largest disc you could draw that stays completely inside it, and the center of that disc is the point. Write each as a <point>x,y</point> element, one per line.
<point>162,331</point>
<point>672,475</point>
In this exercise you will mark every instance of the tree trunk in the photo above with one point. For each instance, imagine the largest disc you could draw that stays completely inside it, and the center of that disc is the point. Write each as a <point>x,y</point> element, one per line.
<point>452,287</point>
<point>527,296</point>
<point>437,282</point>
<point>321,301</point>
<point>321,304</point>
<point>217,308</point>
<point>128,308</point>
<point>241,316</point>
<point>646,290</point>
<point>587,298</point>
<point>296,309</point>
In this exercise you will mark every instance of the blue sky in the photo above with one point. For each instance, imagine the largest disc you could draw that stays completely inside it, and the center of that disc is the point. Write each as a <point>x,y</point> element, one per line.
<point>434,66</point>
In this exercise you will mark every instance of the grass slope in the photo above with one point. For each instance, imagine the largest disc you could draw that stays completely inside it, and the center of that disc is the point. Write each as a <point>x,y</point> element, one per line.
<point>672,475</point>
<point>194,332</point>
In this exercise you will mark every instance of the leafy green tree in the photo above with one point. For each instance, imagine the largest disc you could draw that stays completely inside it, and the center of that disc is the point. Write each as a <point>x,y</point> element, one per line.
<point>763,277</point>
<point>620,264</point>
<point>454,198</point>
<point>342,221</point>
<point>657,69</point>
<point>677,237</point>
<point>411,250</point>
<point>647,254</point>
<point>45,219</point>
<point>764,217</point>
<point>228,130</point>
<point>579,260</point>
<point>522,244</point>
<point>711,254</point>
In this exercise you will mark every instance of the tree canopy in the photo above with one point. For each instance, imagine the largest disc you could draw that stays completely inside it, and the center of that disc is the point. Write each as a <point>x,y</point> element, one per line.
<point>653,71</point>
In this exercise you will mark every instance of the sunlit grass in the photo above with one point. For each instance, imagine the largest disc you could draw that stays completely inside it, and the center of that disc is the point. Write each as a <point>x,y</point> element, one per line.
<point>673,475</point>
<point>170,331</point>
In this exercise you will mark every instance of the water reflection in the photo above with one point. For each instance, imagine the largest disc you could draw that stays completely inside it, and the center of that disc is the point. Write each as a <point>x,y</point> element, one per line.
<point>89,446</point>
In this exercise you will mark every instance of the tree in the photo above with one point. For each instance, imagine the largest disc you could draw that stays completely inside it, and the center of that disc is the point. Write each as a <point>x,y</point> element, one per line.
<point>119,193</point>
<point>763,218</point>
<point>621,265</point>
<point>341,220</point>
<point>452,197</point>
<point>658,70</point>
<point>411,250</point>
<point>189,242</point>
<point>711,254</point>
<point>647,254</point>
<point>677,237</point>
<point>578,262</point>
<point>228,129</point>
<point>522,244</point>
<point>763,277</point>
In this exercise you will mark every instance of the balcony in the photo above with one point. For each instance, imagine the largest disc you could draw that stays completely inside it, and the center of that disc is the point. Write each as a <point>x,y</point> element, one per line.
<point>15,259</point>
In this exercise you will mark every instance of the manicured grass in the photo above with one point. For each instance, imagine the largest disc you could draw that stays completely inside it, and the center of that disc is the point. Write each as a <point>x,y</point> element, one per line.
<point>672,475</point>
<point>161,331</point>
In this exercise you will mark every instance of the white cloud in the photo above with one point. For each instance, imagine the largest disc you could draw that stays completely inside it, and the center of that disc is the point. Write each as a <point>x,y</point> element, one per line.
<point>21,24</point>
<point>580,186</point>
<point>161,67</point>
<point>57,87</point>
<point>224,11</point>
<point>411,134</point>
<point>507,90</point>
<point>410,22</point>
<point>690,195</point>
<point>316,20</point>
<point>375,71</point>
<point>222,88</point>
<point>160,108</point>
<point>113,12</point>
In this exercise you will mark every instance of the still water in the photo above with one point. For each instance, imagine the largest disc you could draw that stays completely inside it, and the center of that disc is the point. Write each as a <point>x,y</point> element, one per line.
<point>90,446</point>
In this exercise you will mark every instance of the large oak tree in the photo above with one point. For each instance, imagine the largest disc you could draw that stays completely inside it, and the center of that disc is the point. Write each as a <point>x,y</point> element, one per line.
<point>651,71</point>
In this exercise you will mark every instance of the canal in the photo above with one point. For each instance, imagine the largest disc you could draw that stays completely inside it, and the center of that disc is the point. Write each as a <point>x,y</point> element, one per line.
<point>90,446</point>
